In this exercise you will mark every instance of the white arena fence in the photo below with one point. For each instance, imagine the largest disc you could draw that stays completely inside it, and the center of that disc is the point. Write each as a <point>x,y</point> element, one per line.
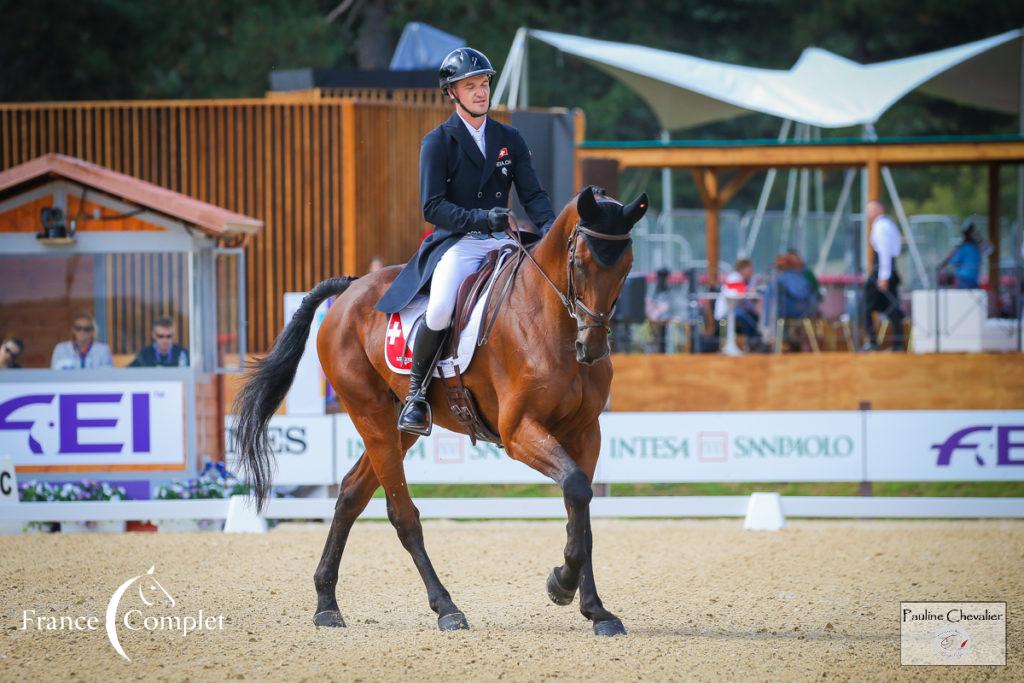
<point>239,511</point>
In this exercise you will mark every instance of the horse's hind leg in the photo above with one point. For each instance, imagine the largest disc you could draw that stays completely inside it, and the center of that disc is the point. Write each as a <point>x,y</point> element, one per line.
<point>356,489</point>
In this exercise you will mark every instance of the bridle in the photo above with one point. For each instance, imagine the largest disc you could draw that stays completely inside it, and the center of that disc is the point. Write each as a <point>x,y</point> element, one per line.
<point>570,299</point>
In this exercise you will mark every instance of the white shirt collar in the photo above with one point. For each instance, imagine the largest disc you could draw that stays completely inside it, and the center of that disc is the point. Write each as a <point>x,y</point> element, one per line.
<point>476,134</point>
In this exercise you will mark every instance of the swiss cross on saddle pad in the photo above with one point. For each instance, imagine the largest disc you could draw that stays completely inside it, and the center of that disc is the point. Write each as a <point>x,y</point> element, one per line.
<point>398,348</point>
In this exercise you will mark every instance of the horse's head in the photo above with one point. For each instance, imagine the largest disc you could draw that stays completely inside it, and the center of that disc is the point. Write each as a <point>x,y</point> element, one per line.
<point>600,256</point>
<point>151,591</point>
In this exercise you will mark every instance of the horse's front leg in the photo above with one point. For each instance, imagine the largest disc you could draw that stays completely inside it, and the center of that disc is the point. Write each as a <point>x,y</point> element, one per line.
<point>586,449</point>
<point>535,446</point>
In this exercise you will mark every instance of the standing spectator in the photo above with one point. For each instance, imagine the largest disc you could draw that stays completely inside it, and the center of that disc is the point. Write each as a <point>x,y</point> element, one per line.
<point>83,351</point>
<point>881,292</point>
<point>966,259</point>
<point>163,352</point>
<point>740,281</point>
<point>9,352</point>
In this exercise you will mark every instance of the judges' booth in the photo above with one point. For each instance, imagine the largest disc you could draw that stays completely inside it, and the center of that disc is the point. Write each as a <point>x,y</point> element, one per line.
<point>102,275</point>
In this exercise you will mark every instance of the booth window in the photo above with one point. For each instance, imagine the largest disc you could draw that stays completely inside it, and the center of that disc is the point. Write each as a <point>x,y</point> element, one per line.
<point>41,295</point>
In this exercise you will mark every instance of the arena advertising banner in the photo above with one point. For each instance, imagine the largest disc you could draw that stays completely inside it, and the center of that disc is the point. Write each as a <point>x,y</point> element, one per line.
<point>969,445</point>
<point>656,447</point>
<point>444,457</point>
<point>303,448</point>
<point>78,426</point>
<point>681,447</point>
<point>694,447</point>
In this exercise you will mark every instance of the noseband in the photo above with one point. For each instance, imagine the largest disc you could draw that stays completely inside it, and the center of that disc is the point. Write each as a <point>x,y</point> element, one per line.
<point>578,310</point>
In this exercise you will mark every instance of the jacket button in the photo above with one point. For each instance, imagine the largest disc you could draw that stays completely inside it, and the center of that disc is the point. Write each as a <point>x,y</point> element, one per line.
<point>479,195</point>
<point>497,195</point>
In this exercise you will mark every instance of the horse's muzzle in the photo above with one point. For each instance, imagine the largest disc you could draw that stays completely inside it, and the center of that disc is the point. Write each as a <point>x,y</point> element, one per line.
<point>586,356</point>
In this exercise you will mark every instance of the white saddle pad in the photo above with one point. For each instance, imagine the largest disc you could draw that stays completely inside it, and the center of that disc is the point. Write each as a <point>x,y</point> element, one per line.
<point>398,347</point>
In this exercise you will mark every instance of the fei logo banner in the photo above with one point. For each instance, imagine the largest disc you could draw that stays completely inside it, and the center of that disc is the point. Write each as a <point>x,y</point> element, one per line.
<point>93,424</point>
<point>949,445</point>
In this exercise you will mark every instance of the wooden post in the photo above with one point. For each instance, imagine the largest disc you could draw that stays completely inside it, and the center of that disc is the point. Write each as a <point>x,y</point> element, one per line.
<point>993,237</point>
<point>579,135</point>
<point>713,237</point>
<point>349,234</point>
<point>874,190</point>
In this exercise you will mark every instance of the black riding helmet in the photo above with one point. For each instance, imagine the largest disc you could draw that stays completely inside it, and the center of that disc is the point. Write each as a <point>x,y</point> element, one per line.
<point>462,63</point>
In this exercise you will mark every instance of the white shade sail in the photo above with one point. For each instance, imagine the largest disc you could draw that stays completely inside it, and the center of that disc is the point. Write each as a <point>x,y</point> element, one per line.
<point>822,89</point>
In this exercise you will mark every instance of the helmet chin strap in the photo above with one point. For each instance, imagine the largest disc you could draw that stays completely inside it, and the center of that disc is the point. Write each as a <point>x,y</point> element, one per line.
<point>464,107</point>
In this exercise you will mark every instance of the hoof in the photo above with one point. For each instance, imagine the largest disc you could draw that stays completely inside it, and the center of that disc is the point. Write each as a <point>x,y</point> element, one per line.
<point>456,621</point>
<point>330,619</point>
<point>609,627</point>
<point>559,595</point>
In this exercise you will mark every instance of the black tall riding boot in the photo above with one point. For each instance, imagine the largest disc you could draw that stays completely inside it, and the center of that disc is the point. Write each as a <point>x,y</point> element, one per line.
<point>415,416</point>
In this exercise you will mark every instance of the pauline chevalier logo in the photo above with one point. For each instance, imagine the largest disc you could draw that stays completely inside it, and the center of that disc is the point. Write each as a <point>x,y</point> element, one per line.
<point>935,633</point>
<point>149,615</point>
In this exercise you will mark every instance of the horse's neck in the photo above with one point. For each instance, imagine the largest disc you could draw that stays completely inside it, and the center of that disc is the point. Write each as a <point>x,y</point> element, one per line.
<point>550,255</point>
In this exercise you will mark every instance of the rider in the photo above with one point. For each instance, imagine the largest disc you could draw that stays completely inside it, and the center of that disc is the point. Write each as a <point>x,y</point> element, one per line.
<point>467,167</point>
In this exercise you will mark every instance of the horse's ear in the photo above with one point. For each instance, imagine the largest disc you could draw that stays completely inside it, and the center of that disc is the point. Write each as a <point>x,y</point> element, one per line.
<point>586,206</point>
<point>635,210</point>
<point>151,569</point>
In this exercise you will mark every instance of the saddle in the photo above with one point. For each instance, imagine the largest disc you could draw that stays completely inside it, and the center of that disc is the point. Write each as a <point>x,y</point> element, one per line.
<point>485,279</point>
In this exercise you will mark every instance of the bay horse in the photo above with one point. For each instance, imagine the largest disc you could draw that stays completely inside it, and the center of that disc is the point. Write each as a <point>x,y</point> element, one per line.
<point>541,381</point>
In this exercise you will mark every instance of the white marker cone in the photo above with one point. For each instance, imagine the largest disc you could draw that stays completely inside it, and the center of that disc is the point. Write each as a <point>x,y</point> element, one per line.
<point>764,512</point>
<point>242,517</point>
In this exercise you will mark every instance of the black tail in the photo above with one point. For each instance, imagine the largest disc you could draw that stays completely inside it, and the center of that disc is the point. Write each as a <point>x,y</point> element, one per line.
<point>267,384</point>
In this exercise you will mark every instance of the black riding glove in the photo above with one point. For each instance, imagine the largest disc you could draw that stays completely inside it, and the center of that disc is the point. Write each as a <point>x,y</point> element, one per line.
<point>497,219</point>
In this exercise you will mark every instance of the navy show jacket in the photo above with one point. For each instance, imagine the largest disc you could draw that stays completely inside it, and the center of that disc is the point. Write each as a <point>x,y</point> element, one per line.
<point>458,186</point>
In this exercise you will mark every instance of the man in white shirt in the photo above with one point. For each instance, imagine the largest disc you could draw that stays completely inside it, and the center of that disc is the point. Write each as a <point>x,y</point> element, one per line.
<point>83,351</point>
<point>881,292</point>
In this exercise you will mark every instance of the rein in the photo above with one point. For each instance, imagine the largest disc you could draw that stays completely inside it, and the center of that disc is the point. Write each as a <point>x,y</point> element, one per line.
<point>570,300</point>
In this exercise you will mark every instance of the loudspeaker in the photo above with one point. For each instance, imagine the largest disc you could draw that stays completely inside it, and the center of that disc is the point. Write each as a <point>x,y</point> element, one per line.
<point>630,308</point>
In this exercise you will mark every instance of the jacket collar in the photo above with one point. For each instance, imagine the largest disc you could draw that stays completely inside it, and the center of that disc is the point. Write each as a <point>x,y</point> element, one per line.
<point>458,130</point>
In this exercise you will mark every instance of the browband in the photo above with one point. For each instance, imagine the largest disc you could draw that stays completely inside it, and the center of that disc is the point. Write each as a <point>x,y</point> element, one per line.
<point>602,235</point>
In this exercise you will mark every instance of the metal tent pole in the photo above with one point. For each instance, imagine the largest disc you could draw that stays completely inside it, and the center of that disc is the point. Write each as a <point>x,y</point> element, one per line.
<point>837,215</point>
<point>511,68</point>
<point>766,191</point>
<point>791,183</point>
<point>666,183</point>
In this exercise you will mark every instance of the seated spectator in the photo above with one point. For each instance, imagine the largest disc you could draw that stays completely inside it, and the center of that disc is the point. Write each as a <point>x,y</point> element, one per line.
<point>9,352</point>
<point>658,308</point>
<point>163,352</point>
<point>83,351</point>
<point>741,280</point>
<point>798,290</point>
<point>965,259</point>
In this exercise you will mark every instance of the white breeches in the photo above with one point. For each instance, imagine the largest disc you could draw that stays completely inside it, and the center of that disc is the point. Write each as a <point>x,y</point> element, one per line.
<point>457,263</point>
